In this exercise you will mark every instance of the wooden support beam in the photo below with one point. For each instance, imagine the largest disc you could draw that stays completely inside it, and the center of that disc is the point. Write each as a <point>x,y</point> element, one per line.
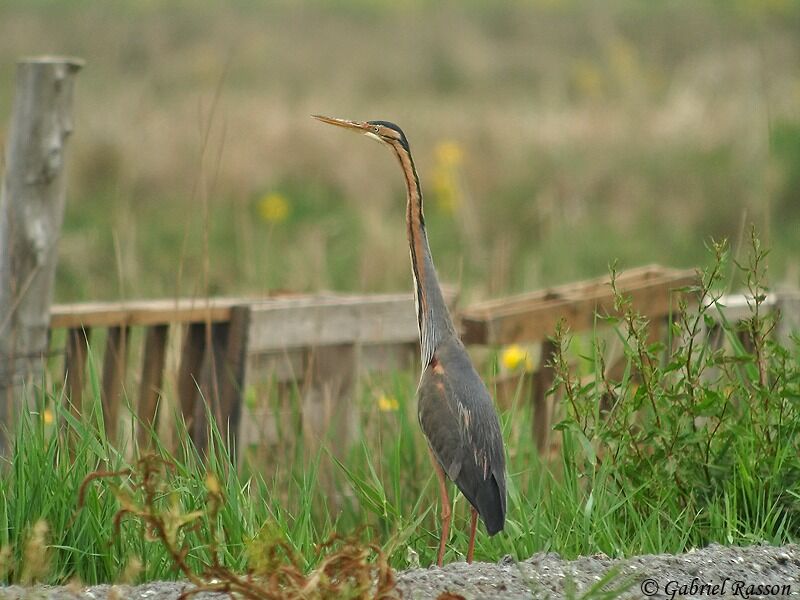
<point>328,396</point>
<point>115,364</point>
<point>211,384</point>
<point>190,370</point>
<point>533,317</point>
<point>75,354</point>
<point>232,376</point>
<point>542,404</point>
<point>329,417</point>
<point>155,354</point>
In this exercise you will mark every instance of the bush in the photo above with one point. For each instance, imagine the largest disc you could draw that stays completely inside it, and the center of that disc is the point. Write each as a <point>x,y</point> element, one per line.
<point>707,422</point>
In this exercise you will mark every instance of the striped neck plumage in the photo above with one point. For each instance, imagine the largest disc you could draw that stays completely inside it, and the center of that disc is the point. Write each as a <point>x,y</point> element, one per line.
<point>433,318</point>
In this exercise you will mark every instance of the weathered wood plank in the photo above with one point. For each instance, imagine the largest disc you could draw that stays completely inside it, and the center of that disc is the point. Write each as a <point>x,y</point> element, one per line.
<point>211,384</point>
<point>142,312</point>
<point>190,370</point>
<point>327,398</point>
<point>188,310</point>
<point>75,355</point>
<point>397,356</point>
<point>576,289</point>
<point>279,365</point>
<point>312,322</point>
<point>115,363</point>
<point>155,354</point>
<point>232,375</point>
<point>542,405</point>
<point>329,417</point>
<point>533,318</point>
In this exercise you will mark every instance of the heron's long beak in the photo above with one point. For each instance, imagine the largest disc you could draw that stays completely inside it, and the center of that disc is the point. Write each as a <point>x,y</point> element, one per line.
<point>352,125</point>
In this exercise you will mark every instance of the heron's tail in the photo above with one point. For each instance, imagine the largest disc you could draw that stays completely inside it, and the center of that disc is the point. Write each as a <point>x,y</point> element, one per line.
<point>491,505</point>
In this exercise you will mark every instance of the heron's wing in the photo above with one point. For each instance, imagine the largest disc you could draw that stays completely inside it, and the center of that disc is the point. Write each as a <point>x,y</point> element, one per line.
<point>458,418</point>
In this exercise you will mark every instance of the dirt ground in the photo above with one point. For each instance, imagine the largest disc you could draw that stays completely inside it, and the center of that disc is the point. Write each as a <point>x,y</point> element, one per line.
<point>712,572</point>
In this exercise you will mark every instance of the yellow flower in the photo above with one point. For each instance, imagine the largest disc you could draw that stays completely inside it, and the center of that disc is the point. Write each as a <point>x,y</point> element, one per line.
<point>47,416</point>
<point>449,154</point>
<point>445,190</point>
<point>515,357</point>
<point>387,403</point>
<point>273,208</point>
<point>212,483</point>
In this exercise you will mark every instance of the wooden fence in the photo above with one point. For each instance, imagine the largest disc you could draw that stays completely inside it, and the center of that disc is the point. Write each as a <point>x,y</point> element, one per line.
<point>324,341</point>
<point>321,341</point>
<point>318,339</point>
<point>212,354</point>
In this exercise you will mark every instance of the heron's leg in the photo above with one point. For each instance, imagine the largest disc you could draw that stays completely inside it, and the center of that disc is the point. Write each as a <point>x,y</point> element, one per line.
<point>473,526</point>
<point>446,513</point>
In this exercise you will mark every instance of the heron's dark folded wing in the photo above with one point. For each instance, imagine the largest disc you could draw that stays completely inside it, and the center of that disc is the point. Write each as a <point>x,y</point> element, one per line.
<point>458,418</point>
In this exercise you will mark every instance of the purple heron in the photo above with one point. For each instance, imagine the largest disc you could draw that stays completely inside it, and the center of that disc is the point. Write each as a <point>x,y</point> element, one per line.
<point>455,410</point>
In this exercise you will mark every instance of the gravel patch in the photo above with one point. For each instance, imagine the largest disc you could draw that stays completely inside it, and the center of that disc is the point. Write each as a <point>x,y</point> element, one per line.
<point>712,572</point>
<point>736,573</point>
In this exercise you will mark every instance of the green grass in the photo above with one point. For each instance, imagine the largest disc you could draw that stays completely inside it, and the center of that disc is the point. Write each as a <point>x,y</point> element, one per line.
<point>701,446</point>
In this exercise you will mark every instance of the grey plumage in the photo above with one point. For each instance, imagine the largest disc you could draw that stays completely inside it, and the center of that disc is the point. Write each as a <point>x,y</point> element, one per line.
<point>457,416</point>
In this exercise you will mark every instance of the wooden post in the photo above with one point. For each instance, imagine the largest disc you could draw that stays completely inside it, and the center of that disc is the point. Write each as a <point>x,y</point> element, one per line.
<point>210,385</point>
<point>115,363</point>
<point>31,212</point>
<point>542,405</point>
<point>155,354</point>
<point>232,376</point>
<point>75,366</point>
<point>328,398</point>
<point>329,415</point>
<point>192,353</point>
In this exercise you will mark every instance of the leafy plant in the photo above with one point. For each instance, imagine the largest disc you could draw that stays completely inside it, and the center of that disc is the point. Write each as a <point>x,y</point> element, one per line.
<point>707,420</point>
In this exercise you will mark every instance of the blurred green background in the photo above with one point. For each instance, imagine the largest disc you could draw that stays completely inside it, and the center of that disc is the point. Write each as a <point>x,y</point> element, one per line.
<point>552,137</point>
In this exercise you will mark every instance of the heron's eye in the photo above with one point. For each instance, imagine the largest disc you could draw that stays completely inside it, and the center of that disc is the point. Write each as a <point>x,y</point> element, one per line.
<point>376,129</point>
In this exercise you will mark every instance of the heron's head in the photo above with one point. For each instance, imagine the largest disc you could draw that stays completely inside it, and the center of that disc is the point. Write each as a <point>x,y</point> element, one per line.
<point>382,131</point>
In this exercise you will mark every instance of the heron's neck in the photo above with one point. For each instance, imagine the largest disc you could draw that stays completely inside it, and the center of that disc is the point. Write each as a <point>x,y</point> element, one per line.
<point>433,317</point>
